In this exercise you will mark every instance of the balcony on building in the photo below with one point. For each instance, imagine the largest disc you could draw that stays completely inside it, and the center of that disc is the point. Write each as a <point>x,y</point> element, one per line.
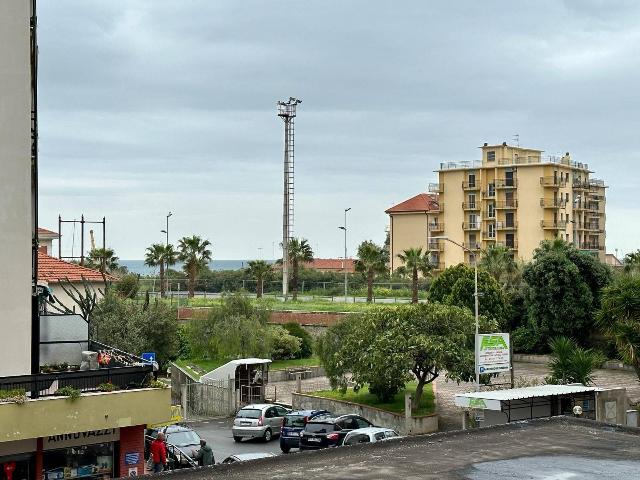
<point>489,236</point>
<point>470,185</point>
<point>489,194</point>
<point>591,246</point>
<point>471,225</point>
<point>553,203</point>
<point>435,246</point>
<point>470,206</point>
<point>488,215</point>
<point>551,225</point>
<point>436,266</point>
<point>511,245</point>
<point>436,188</point>
<point>578,184</point>
<point>554,182</point>
<point>506,204</point>
<point>112,386</point>
<point>506,225</point>
<point>506,183</point>
<point>473,246</point>
<point>437,207</point>
<point>435,227</point>
<point>594,227</point>
<point>579,205</point>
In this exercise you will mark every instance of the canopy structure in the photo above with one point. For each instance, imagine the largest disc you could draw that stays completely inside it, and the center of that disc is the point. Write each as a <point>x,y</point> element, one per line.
<point>228,370</point>
<point>491,400</point>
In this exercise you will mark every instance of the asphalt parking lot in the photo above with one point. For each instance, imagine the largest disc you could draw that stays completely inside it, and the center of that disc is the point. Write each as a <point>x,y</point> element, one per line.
<point>217,433</point>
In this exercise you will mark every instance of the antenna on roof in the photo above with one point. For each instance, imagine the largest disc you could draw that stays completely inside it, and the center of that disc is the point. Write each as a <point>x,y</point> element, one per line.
<point>516,139</point>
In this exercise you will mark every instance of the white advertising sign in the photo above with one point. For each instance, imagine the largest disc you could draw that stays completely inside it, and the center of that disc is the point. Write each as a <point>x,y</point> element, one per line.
<point>493,354</point>
<point>80,438</point>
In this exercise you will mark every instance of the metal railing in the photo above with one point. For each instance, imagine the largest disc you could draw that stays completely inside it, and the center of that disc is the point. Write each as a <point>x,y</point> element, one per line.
<point>506,204</point>
<point>511,245</point>
<point>471,225</point>
<point>435,227</point>
<point>553,203</point>
<point>461,164</point>
<point>470,206</point>
<point>435,246</point>
<point>470,185</point>
<point>489,194</point>
<point>550,224</point>
<point>436,188</point>
<point>553,182</point>
<point>472,246</point>
<point>506,183</point>
<point>506,225</point>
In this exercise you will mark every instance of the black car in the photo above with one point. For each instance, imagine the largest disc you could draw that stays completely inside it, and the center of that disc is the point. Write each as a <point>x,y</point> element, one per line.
<point>181,442</point>
<point>329,431</point>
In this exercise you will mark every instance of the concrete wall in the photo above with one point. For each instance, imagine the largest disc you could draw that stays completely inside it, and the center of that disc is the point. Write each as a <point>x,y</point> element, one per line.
<point>284,375</point>
<point>94,411</point>
<point>179,377</point>
<point>381,418</point>
<point>15,187</point>
<point>612,405</point>
<point>408,230</point>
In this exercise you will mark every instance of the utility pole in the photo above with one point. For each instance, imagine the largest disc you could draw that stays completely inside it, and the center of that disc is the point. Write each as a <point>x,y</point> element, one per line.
<point>344,263</point>
<point>287,111</point>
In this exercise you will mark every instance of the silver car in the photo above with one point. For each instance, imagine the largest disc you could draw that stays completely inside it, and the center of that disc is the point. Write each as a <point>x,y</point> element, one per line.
<point>262,420</point>
<point>369,435</point>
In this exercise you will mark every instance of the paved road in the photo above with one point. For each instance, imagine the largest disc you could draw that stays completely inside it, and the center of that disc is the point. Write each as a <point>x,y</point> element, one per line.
<point>217,433</point>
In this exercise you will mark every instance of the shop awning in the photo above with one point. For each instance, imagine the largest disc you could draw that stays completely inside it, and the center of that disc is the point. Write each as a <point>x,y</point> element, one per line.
<point>491,400</point>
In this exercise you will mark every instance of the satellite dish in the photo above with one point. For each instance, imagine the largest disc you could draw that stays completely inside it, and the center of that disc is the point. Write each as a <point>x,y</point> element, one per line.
<point>577,410</point>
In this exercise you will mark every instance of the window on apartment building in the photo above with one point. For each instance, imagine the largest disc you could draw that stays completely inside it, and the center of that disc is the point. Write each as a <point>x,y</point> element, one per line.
<point>509,219</point>
<point>508,199</point>
<point>472,240</point>
<point>510,240</point>
<point>566,197</point>
<point>473,220</point>
<point>491,156</point>
<point>508,178</point>
<point>492,230</point>
<point>492,189</point>
<point>472,199</point>
<point>472,179</point>
<point>492,210</point>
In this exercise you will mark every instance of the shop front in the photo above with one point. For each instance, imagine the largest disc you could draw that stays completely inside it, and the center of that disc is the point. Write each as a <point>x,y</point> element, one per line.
<point>17,460</point>
<point>87,455</point>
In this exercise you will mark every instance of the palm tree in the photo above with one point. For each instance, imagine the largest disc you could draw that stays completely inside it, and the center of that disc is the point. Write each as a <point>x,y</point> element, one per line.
<point>415,261</point>
<point>195,255</point>
<point>299,252</point>
<point>102,259</point>
<point>159,255</point>
<point>371,261</point>
<point>619,318</point>
<point>261,271</point>
<point>499,263</point>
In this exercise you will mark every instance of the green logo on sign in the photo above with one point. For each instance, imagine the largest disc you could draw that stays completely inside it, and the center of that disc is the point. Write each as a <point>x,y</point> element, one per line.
<point>477,403</point>
<point>493,342</point>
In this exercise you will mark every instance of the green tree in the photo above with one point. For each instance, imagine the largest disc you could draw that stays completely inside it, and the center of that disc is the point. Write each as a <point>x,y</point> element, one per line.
<point>195,254</point>
<point>284,346</point>
<point>128,285</point>
<point>563,291</point>
<point>619,318</point>
<point>102,259</point>
<point>571,363</point>
<point>387,347</point>
<point>416,262</point>
<point>299,252</point>
<point>632,262</point>
<point>498,262</point>
<point>260,271</point>
<point>159,255</point>
<point>136,328</point>
<point>456,286</point>
<point>306,341</point>
<point>370,262</point>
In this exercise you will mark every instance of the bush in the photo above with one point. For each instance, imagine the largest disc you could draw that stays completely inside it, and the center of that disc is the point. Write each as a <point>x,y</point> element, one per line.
<point>108,387</point>
<point>68,391</point>
<point>17,395</point>
<point>306,345</point>
<point>128,286</point>
<point>571,363</point>
<point>283,345</point>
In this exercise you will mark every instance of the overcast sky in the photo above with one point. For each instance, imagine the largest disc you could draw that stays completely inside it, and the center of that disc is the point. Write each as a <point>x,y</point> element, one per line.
<point>158,105</point>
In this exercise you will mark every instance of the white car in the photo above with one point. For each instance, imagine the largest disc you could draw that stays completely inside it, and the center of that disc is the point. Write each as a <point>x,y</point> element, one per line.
<point>369,435</point>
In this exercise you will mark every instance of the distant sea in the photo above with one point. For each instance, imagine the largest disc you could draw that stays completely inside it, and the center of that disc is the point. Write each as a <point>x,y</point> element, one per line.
<point>138,266</point>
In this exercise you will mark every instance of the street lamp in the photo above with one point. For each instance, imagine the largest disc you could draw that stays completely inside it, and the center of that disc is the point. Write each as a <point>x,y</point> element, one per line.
<point>475,296</point>
<point>345,253</point>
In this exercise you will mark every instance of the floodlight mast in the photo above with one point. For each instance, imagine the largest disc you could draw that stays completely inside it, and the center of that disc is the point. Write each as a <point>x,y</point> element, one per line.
<point>287,111</point>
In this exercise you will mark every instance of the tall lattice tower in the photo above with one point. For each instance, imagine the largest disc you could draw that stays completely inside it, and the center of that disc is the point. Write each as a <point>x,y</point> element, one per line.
<point>287,111</point>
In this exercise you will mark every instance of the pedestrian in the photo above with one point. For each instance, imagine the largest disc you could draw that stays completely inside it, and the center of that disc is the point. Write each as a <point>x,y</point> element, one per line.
<point>204,456</point>
<point>159,453</point>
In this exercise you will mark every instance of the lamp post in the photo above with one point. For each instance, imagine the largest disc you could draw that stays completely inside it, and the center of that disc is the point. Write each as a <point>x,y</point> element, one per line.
<point>475,296</point>
<point>167,244</point>
<point>346,284</point>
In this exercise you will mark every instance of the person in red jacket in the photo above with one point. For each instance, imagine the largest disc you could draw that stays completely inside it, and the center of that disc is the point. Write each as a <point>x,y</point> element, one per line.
<point>159,453</point>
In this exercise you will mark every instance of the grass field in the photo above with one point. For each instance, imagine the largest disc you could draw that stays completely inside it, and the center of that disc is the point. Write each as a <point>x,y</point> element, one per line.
<point>197,368</point>
<point>363,397</point>
<point>316,305</point>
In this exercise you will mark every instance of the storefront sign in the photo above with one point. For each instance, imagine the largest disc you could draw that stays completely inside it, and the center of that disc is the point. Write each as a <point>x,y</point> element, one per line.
<point>80,438</point>
<point>477,403</point>
<point>493,355</point>
<point>131,458</point>
<point>133,472</point>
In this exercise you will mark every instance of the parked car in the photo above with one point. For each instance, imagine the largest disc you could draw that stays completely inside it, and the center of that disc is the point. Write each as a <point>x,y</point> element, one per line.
<point>329,431</point>
<point>292,424</point>
<point>181,442</point>
<point>243,457</point>
<point>258,421</point>
<point>369,435</point>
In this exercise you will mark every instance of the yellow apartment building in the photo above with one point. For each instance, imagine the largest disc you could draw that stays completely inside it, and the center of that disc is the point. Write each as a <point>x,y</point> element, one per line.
<point>515,197</point>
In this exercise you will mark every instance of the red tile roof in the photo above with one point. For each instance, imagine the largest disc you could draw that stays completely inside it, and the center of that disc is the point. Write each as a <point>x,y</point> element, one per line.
<point>423,202</point>
<point>331,264</point>
<point>54,270</point>
<point>47,233</point>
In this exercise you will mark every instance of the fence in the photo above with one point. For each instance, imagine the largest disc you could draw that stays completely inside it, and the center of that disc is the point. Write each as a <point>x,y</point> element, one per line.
<point>216,398</point>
